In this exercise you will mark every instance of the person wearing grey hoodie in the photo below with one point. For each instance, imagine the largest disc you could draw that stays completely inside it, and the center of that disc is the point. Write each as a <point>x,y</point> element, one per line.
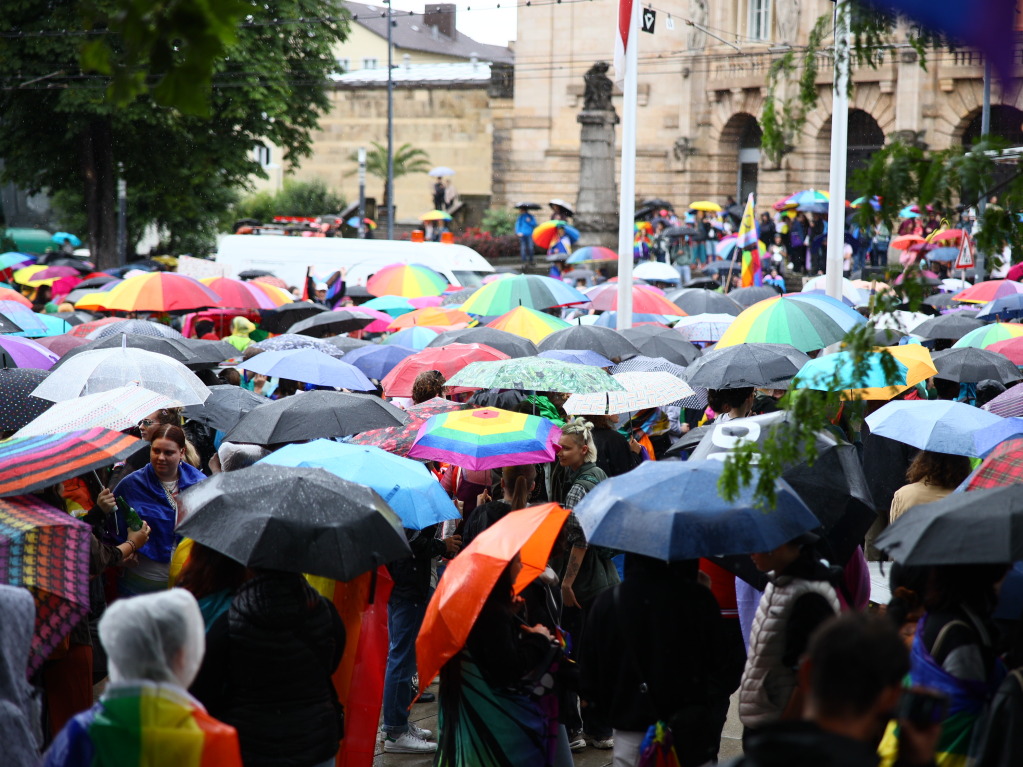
<point>18,714</point>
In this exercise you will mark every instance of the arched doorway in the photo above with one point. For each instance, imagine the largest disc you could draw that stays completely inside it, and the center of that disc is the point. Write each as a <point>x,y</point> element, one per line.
<point>740,146</point>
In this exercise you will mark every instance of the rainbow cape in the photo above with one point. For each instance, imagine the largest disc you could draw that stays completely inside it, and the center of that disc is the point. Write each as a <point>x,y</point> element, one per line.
<point>748,241</point>
<point>143,724</point>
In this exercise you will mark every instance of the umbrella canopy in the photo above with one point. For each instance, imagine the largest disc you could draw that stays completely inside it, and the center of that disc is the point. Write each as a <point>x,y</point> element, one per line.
<point>940,301</point>
<point>431,317</point>
<point>29,464</point>
<point>704,328</point>
<point>845,316</point>
<point>784,320</point>
<point>283,317</point>
<point>46,551</point>
<point>641,390</point>
<point>224,407</point>
<point>417,338</point>
<point>398,440</point>
<point>309,366</point>
<point>509,343</point>
<point>486,438</point>
<point>672,511</point>
<point>41,325</point>
<point>25,353</point>
<point>535,374</point>
<point>160,292</point>
<point>172,348</point>
<point>392,305</point>
<point>11,258</point>
<point>7,294</point>
<point>948,326</point>
<point>974,528</point>
<point>377,361</point>
<point>989,290</point>
<point>705,205</point>
<point>578,356</point>
<point>440,171</point>
<point>1008,404</point>
<point>604,341</point>
<point>1004,309</point>
<point>456,297</point>
<point>970,365</point>
<point>300,520</point>
<point>435,215</point>
<point>988,438</point>
<point>406,280</point>
<point>656,271</point>
<point>331,323</point>
<point>8,325</point>
<point>117,409</point>
<point>448,360</point>
<point>470,577</point>
<point>83,330</point>
<point>133,327</point>
<point>291,341</point>
<point>983,337</point>
<point>655,341</point>
<point>345,344</point>
<point>1003,466</point>
<point>736,367</point>
<point>746,297</point>
<point>695,401</point>
<point>17,405</point>
<point>939,426</point>
<point>105,369</point>
<point>645,300</point>
<point>528,323</point>
<point>592,254</point>
<point>236,294</point>
<point>314,415</point>
<point>208,353</point>
<point>529,290</point>
<point>412,492</point>
<point>548,232</point>
<point>834,372</point>
<point>701,301</point>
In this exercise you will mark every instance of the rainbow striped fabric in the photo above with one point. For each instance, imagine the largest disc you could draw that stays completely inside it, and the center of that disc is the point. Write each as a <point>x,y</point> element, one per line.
<point>145,725</point>
<point>748,241</point>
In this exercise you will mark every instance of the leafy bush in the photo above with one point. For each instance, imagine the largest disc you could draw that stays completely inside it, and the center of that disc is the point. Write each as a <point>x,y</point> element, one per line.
<point>297,198</point>
<point>490,247</point>
<point>499,221</point>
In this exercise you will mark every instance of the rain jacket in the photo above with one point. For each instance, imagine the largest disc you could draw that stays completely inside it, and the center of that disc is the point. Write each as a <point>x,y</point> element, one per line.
<point>17,713</point>
<point>240,329</point>
<point>143,492</point>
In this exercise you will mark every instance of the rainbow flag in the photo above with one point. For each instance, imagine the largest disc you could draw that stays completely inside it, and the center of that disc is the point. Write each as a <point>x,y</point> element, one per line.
<point>145,725</point>
<point>748,241</point>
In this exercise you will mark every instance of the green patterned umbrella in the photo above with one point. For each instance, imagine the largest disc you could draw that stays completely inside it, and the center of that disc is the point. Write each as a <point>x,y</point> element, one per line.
<point>535,374</point>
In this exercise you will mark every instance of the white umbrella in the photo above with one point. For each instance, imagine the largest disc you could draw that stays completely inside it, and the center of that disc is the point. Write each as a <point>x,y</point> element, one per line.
<point>440,171</point>
<point>642,390</point>
<point>116,409</point>
<point>704,328</point>
<point>849,290</point>
<point>655,271</point>
<point>954,285</point>
<point>101,370</point>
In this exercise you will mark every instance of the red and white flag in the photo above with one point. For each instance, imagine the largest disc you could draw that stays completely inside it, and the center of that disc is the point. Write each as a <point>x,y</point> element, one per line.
<point>622,34</point>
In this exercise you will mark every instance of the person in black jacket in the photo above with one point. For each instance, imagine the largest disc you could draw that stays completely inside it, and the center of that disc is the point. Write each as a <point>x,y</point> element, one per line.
<point>649,652</point>
<point>267,672</point>
<point>616,453</point>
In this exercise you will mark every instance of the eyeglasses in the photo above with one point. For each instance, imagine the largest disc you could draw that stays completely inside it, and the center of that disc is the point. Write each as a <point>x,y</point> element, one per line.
<point>145,422</point>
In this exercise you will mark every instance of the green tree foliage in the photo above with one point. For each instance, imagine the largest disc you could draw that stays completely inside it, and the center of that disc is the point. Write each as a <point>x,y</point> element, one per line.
<point>407,160</point>
<point>499,221</point>
<point>60,133</point>
<point>297,198</point>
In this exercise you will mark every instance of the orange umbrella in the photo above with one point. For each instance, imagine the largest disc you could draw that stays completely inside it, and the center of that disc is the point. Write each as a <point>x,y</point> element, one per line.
<point>431,316</point>
<point>470,577</point>
<point>902,242</point>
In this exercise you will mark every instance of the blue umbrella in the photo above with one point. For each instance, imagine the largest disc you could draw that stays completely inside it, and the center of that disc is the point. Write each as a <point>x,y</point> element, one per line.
<point>309,366</point>
<point>936,425</point>
<point>579,356</point>
<point>417,338</point>
<point>944,255</point>
<point>12,258</point>
<point>392,305</point>
<point>60,237</point>
<point>671,510</point>
<point>376,361</point>
<point>407,486</point>
<point>1002,309</point>
<point>990,437</point>
<point>822,373</point>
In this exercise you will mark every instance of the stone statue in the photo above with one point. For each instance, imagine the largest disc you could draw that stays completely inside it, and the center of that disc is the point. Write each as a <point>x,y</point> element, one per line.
<point>696,38</point>
<point>787,20</point>
<point>597,96</point>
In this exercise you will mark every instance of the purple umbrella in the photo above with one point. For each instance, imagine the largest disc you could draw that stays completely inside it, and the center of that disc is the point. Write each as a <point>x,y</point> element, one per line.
<point>25,353</point>
<point>1008,404</point>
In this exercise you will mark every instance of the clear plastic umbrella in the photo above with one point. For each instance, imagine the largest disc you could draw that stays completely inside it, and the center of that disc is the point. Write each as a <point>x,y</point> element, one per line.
<point>101,370</point>
<point>116,409</point>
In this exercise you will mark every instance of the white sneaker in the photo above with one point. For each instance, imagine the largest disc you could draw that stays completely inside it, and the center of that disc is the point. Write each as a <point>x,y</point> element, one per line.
<point>408,743</point>
<point>419,732</point>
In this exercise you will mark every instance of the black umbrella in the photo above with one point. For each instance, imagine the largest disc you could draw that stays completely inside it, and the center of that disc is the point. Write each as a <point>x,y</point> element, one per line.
<point>169,347</point>
<point>207,353</point>
<point>457,297</point>
<point>313,415</point>
<point>527,205</point>
<point>736,367</point>
<point>720,268</point>
<point>7,325</point>
<point>357,291</point>
<point>55,259</point>
<point>709,282</point>
<point>509,343</point>
<point>17,405</point>
<point>299,520</point>
<point>251,274</point>
<point>657,202</point>
<point>887,336</point>
<point>283,317</point>
<point>655,341</point>
<point>952,326</point>
<point>225,406</point>
<point>975,528</point>
<point>76,318</point>
<point>701,301</point>
<point>347,343</point>
<point>746,297</point>
<point>969,365</point>
<point>323,323</point>
<point>684,231</point>
<point>605,341</point>
<point>941,301</point>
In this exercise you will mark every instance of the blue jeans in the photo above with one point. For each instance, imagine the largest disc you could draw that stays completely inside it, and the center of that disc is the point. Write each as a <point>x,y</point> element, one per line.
<point>404,617</point>
<point>526,248</point>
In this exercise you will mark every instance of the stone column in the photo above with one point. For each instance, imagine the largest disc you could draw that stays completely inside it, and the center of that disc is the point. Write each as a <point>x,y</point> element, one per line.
<point>596,212</point>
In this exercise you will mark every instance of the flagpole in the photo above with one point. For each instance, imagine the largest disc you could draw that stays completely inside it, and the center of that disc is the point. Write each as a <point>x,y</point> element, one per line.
<point>839,146</point>
<point>627,205</point>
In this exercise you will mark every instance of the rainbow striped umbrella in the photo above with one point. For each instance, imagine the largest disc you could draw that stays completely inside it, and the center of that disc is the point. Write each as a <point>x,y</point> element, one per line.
<point>486,438</point>
<point>158,292</point>
<point>981,338</point>
<point>645,300</point>
<point>235,294</point>
<point>592,254</point>
<point>28,464</point>
<point>277,294</point>
<point>47,552</point>
<point>528,323</point>
<point>783,320</point>
<point>406,280</point>
<point>989,290</point>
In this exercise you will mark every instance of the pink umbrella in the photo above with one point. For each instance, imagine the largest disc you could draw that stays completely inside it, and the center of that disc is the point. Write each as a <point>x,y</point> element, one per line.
<point>423,302</point>
<point>61,345</point>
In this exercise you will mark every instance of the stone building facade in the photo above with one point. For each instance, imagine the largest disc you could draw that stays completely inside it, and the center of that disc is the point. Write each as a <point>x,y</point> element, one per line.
<point>701,96</point>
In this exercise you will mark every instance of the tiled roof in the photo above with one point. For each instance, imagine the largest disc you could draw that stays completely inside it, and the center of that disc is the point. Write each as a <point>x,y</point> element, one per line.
<point>411,33</point>
<point>460,72</point>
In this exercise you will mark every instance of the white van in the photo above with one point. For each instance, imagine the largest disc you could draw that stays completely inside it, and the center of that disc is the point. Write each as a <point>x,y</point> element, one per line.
<point>289,257</point>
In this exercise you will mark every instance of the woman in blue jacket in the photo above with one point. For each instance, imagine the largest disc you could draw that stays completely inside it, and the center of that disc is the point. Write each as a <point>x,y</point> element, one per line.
<point>153,492</point>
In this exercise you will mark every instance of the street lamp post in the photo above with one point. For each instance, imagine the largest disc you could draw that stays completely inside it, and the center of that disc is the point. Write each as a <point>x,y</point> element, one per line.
<point>390,127</point>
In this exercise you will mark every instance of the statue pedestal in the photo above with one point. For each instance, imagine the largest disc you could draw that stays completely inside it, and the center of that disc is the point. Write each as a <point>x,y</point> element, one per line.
<point>596,212</point>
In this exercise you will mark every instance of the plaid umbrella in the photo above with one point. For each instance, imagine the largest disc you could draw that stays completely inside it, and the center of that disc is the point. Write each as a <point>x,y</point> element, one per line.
<point>1002,467</point>
<point>17,405</point>
<point>28,464</point>
<point>1008,404</point>
<point>47,552</point>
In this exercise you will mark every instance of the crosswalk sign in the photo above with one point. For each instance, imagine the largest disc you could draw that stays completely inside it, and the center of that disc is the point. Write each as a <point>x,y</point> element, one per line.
<point>966,258</point>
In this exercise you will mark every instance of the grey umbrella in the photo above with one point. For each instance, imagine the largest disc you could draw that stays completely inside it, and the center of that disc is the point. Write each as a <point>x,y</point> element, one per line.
<point>951,326</point>
<point>168,347</point>
<point>321,324</point>
<point>736,367</point>
<point>288,341</point>
<point>610,343</point>
<point>970,365</point>
<point>654,341</point>
<point>312,415</point>
<point>299,520</point>
<point>509,343</point>
<point>283,317</point>
<point>225,406</point>
<point>702,301</point>
<point>347,343</point>
<point>746,297</point>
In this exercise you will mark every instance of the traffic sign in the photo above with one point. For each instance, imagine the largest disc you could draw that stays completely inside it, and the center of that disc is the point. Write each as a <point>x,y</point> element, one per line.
<point>649,17</point>
<point>967,258</point>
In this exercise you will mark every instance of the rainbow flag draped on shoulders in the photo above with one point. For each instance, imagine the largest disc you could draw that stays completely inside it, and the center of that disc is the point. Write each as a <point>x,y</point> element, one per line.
<point>748,242</point>
<point>144,724</point>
